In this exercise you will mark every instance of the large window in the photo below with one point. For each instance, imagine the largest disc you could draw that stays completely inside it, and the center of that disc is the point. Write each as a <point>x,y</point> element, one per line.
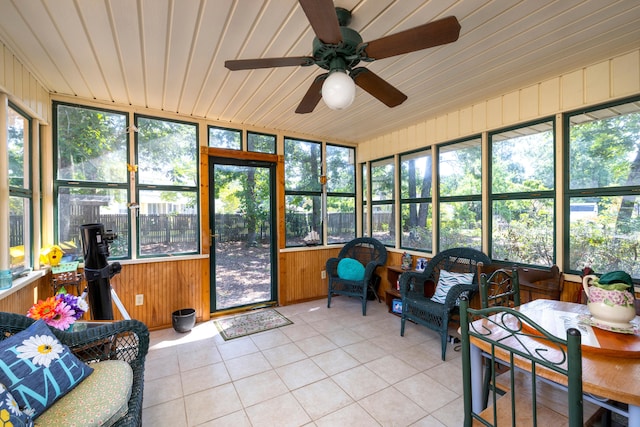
<point>315,201</point>
<point>91,182</point>
<point>416,200</point>
<point>341,194</point>
<point>602,203</point>
<point>460,194</point>
<point>95,170</point>
<point>522,194</point>
<point>167,187</point>
<point>364,168</point>
<point>20,191</point>
<point>383,210</point>
<point>303,192</point>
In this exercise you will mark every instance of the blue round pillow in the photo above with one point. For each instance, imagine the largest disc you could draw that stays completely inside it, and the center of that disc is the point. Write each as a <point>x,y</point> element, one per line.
<point>350,269</point>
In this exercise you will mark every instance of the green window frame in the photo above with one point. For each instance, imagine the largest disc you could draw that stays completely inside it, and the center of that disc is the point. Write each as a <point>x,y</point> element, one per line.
<point>460,194</point>
<point>522,193</point>
<point>261,142</point>
<point>166,187</point>
<point>602,189</point>
<point>103,175</point>
<point>340,191</point>
<point>382,179</point>
<point>364,171</point>
<point>19,148</point>
<point>416,200</point>
<point>303,192</point>
<point>230,139</point>
<point>91,183</point>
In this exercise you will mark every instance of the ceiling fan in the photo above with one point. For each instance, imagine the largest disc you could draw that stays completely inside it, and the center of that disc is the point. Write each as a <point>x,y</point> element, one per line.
<point>340,49</point>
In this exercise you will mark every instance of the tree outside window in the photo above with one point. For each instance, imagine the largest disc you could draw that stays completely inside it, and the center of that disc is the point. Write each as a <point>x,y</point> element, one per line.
<point>167,187</point>
<point>341,192</point>
<point>261,143</point>
<point>20,192</point>
<point>416,200</point>
<point>225,138</point>
<point>303,191</point>
<point>95,171</point>
<point>91,182</point>
<point>460,194</point>
<point>602,200</point>
<point>365,199</point>
<point>383,211</point>
<point>522,194</point>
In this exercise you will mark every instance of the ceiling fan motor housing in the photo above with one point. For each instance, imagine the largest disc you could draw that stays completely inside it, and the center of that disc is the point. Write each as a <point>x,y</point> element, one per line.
<point>342,50</point>
<point>347,49</point>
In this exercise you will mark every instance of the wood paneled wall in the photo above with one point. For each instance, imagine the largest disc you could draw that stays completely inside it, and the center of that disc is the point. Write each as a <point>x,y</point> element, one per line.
<point>167,286</point>
<point>300,275</point>
<point>22,300</point>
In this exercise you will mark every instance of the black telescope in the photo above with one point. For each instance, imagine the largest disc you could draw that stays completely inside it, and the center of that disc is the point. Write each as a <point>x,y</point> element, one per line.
<point>97,271</point>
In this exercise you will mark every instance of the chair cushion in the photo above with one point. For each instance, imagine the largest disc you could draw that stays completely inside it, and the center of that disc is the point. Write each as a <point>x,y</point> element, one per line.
<point>446,281</point>
<point>350,269</point>
<point>10,414</point>
<point>101,400</point>
<point>38,369</point>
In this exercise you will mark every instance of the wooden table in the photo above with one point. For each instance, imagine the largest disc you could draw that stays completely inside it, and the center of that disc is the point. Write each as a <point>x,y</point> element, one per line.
<point>604,374</point>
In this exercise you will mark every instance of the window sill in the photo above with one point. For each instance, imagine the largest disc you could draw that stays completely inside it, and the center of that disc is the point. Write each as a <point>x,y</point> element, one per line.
<point>158,259</point>
<point>22,282</point>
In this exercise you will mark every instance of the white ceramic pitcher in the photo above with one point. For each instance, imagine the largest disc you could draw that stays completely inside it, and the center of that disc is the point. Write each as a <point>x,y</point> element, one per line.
<point>609,307</point>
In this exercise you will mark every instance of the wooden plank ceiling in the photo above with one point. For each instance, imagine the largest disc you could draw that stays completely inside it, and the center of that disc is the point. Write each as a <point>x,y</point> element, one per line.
<point>169,54</point>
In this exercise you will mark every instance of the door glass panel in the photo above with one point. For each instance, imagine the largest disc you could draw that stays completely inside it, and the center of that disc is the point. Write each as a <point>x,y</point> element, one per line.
<point>242,238</point>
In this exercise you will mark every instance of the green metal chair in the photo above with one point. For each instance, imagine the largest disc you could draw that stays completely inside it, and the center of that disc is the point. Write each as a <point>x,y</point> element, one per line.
<point>520,342</point>
<point>500,288</point>
<point>417,303</point>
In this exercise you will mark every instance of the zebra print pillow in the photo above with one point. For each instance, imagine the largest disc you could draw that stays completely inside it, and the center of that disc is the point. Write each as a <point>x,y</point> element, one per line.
<point>448,280</point>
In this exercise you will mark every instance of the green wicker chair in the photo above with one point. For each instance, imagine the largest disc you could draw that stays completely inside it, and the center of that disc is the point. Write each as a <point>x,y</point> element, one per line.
<point>126,340</point>
<point>417,304</point>
<point>371,253</point>
<point>518,340</point>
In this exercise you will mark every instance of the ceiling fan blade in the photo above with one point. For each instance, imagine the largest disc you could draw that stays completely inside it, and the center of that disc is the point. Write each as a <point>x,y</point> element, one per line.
<point>379,88</point>
<point>431,34</point>
<point>323,19</point>
<point>313,95</point>
<point>250,64</point>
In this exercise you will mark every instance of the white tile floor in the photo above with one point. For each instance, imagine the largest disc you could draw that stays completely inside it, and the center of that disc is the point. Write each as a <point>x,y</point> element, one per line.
<point>332,367</point>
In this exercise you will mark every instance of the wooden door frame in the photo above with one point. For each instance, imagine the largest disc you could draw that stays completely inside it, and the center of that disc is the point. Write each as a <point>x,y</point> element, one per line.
<point>205,225</point>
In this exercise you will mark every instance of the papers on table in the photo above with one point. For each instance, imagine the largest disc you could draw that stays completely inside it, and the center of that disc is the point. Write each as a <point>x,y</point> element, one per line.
<point>564,320</point>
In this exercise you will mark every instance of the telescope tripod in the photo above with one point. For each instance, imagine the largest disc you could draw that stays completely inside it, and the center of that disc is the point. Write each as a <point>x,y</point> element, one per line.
<point>114,297</point>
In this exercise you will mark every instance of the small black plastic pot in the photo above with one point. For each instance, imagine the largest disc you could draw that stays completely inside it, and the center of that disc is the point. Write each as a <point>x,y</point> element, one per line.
<point>183,320</point>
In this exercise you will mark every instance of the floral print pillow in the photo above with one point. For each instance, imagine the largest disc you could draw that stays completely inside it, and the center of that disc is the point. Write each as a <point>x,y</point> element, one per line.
<point>38,369</point>
<point>10,413</point>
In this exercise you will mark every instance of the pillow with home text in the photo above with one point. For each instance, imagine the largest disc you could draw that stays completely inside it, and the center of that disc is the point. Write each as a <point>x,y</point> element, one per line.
<point>38,369</point>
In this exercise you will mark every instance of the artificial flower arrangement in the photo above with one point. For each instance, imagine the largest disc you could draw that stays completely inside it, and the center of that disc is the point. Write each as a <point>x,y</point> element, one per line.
<point>59,311</point>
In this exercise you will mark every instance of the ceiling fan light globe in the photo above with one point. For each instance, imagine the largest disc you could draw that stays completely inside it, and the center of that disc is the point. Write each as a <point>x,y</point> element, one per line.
<point>338,90</point>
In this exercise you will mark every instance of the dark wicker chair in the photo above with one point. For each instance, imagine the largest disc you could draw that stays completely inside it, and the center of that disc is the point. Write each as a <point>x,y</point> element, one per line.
<point>126,340</point>
<point>371,253</point>
<point>416,290</point>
